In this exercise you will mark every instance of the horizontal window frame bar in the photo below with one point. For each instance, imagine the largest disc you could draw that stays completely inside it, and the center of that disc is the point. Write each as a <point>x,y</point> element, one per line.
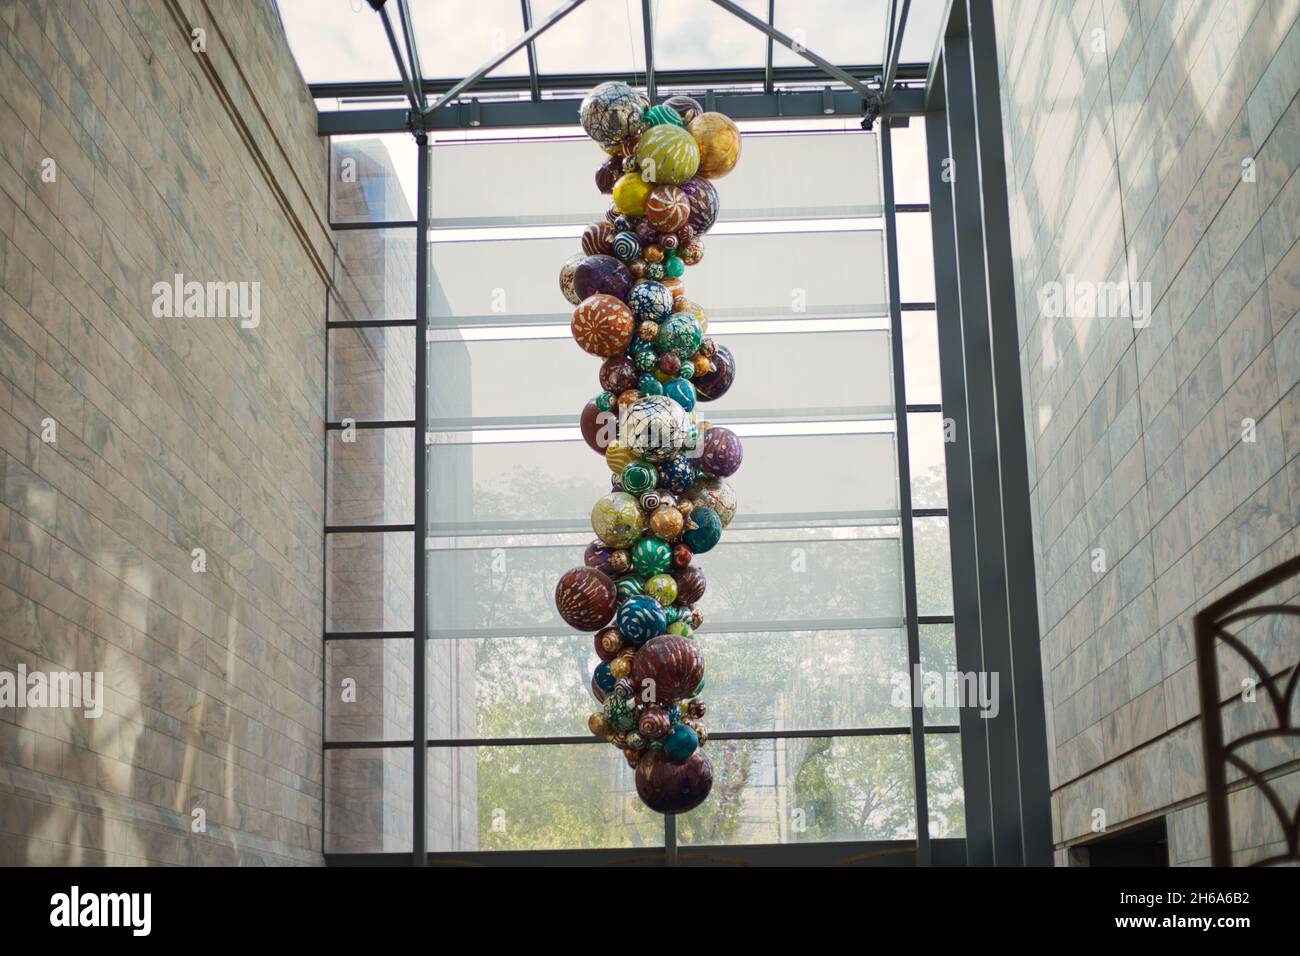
<point>929,512</point>
<point>368,635</point>
<point>917,306</point>
<point>369,528</point>
<point>587,739</point>
<point>925,408</point>
<point>912,207</point>
<point>721,627</point>
<point>375,224</point>
<point>372,425</point>
<point>372,324</point>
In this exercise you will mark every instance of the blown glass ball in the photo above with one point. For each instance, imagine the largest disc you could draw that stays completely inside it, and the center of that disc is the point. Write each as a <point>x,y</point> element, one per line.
<point>651,556</point>
<point>625,246</point>
<point>597,239</point>
<point>598,427</point>
<point>639,477</point>
<point>618,374</point>
<point>650,301</point>
<point>687,107</point>
<point>620,712</point>
<point>586,598</point>
<point>649,385</point>
<point>713,385</point>
<point>667,208</point>
<point>706,533</point>
<point>640,619</point>
<point>566,277</point>
<point>677,473</point>
<point>601,274</point>
<point>722,453</point>
<point>703,198</point>
<point>680,743</point>
<point>674,267</point>
<point>657,428</point>
<point>680,334</point>
<point>662,588</point>
<point>661,114</point>
<point>719,142</point>
<point>602,324</point>
<point>667,154</point>
<point>667,522</point>
<point>629,586</point>
<point>690,584</point>
<point>715,493</point>
<point>611,113</point>
<point>681,391</point>
<point>618,456</point>
<point>603,677</point>
<point>668,787</point>
<point>608,643</point>
<point>599,556</point>
<point>653,724</point>
<point>673,663</point>
<point>617,519</point>
<point>631,192</point>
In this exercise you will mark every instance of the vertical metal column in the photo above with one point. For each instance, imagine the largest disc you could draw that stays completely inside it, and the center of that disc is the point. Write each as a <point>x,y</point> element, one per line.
<point>983,443</point>
<point>419,682</point>
<point>961,505</point>
<point>1022,597</point>
<point>904,493</point>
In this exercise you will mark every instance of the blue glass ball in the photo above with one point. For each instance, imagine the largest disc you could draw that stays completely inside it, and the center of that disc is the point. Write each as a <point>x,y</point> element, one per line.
<point>680,743</point>
<point>649,385</point>
<point>602,678</point>
<point>707,530</point>
<point>641,618</point>
<point>650,300</point>
<point>626,246</point>
<point>681,391</point>
<point>677,474</point>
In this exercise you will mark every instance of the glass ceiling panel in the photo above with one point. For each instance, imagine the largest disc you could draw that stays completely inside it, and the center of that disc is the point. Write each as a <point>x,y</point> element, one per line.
<point>601,36</point>
<point>337,42</point>
<point>845,32</point>
<point>455,39</point>
<point>923,24</point>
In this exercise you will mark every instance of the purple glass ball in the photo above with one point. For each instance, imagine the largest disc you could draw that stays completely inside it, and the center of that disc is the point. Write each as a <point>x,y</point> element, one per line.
<point>598,557</point>
<point>722,453</point>
<point>601,274</point>
<point>713,385</point>
<point>646,232</point>
<point>704,204</point>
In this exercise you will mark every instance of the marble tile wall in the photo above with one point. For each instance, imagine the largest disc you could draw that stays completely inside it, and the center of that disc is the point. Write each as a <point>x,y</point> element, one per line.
<point>1152,142</point>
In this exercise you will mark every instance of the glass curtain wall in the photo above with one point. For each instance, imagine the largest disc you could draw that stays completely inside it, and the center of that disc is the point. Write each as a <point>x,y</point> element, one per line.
<point>805,629</point>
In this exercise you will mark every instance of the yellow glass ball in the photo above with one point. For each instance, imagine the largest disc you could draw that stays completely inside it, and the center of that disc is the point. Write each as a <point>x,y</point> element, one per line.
<point>598,724</point>
<point>630,194</point>
<point>620,667</point>
<point>618,456</point>
<point>719,144</point>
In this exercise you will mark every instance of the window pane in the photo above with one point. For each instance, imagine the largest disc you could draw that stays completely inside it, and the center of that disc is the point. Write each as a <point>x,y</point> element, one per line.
<point>915,257</point>
<point>455,39</point>
<point>926,453</point>
<point>510,590</point>
<point>921,358</point>
<point>373,178</point>
<point>376,704</point>
<point>368,581</point>
<point>495,486</point>
<point>568,46</point>
<point>845,32</point>
<point>375,275</point>
<point>337,42</point>
<point>805,790</point>
<point>911,163</point>
<point>557,797</point>
<point>792,275</point>
<point>943,785</point>
<point>372,477</point>
<point>939,656</point>
<point>372,374</point>
<point>368,800</point>
<point>933,567</point>
<point>532,380</point>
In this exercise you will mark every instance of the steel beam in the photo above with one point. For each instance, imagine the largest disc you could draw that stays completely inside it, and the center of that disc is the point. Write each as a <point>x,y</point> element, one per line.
<point>529,36</point>
<point>906,529</point>
<point>961,527</point>
<point>648,34</point>
<point>419,679</point>
<point>554,112</point>
<point>534,84</point>
<point>896,46</point>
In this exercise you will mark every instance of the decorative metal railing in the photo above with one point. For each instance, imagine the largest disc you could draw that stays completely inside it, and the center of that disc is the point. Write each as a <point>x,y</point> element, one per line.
<point>1279,688</point>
